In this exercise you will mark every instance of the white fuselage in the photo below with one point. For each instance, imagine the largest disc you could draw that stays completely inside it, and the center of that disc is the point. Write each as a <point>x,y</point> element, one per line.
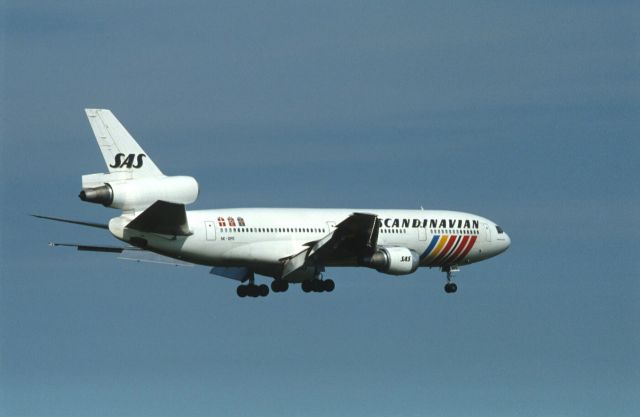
<point>259,238</point>
<point>289,245</point>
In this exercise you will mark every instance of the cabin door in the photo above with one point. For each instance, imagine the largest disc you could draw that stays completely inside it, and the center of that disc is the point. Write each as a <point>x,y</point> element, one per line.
<point>210,228</point>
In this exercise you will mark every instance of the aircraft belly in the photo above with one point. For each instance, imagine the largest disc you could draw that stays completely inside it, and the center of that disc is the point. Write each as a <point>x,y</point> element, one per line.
<point>264,252</point>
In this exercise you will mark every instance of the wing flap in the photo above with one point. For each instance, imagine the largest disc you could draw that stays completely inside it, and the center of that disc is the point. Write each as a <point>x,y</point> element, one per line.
<point>294,263</point>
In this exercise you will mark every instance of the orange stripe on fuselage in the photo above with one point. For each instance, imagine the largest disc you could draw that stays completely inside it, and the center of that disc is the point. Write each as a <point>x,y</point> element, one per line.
<point>438,248</point>
<point>450,243</point>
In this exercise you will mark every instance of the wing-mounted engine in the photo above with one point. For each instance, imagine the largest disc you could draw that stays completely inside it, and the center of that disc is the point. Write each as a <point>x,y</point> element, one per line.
<point>111,190</point>
<point>392,260</point>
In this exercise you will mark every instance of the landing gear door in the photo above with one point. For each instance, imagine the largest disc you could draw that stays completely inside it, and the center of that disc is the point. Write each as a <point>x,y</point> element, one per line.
<point>210,228</point>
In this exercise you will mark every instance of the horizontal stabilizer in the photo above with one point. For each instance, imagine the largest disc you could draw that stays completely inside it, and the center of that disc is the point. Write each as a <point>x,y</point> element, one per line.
<point>58,219</point>
<point>163,218</point>
<point>90,248</point>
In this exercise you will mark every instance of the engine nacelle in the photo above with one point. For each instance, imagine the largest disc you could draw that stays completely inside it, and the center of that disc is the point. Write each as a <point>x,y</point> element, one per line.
<point>142,192</point>
<point>393,260</point>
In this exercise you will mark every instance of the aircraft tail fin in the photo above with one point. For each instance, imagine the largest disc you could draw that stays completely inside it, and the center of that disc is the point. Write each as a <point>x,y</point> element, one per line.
<point>122,154</point>
<point>134,182</point>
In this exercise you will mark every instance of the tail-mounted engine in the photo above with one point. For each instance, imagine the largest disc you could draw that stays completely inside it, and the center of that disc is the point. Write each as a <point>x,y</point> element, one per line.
<point>392,260</point>
<point>128,194</point>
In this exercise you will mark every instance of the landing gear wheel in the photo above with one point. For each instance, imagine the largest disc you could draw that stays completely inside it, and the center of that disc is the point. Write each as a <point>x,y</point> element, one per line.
<point>450,287</point>
<point>263,290</point>
<point>252,290</point>
<point>329,285</point>
<point>279,285</point>
<point>317,285</point>
<point>307,286</point>
<point>241,291</point>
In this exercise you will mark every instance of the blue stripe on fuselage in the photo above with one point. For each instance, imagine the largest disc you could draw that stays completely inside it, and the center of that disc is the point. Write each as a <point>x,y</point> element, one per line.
<point>434,240</point>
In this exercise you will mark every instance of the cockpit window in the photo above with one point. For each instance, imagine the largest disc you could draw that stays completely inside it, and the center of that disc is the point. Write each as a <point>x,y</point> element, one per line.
<point>499,229</point>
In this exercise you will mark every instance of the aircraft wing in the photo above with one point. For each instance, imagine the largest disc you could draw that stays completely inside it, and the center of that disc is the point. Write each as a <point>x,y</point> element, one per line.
<point>127,253</point>
<point>355,236</point>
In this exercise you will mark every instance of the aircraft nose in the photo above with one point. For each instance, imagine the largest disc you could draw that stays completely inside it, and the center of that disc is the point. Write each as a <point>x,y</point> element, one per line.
<point>506,242</point>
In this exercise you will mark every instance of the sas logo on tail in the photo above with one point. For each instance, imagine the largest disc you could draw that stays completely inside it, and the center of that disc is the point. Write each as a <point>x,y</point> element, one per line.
<point>128,162</point>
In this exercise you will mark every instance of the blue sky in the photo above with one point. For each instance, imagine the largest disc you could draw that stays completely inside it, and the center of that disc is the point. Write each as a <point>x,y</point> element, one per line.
<point>525,113</point>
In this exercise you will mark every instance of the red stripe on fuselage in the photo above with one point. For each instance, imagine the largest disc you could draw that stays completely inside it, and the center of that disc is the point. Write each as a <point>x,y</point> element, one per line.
<point>443,253</point>
<point>457,252</point>
<point>472,241</point>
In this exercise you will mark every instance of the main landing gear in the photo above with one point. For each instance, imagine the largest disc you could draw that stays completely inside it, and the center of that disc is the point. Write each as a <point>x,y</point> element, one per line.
<point>450,287</point>
<point>318,285</point>
<point>252,290</point>
<point>279,285</point>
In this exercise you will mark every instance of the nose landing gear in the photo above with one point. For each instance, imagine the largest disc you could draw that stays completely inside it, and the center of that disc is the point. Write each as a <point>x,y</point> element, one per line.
<point>450,287</point>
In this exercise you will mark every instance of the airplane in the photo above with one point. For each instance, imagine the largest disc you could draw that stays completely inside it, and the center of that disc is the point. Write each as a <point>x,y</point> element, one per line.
<point>288,245</point>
